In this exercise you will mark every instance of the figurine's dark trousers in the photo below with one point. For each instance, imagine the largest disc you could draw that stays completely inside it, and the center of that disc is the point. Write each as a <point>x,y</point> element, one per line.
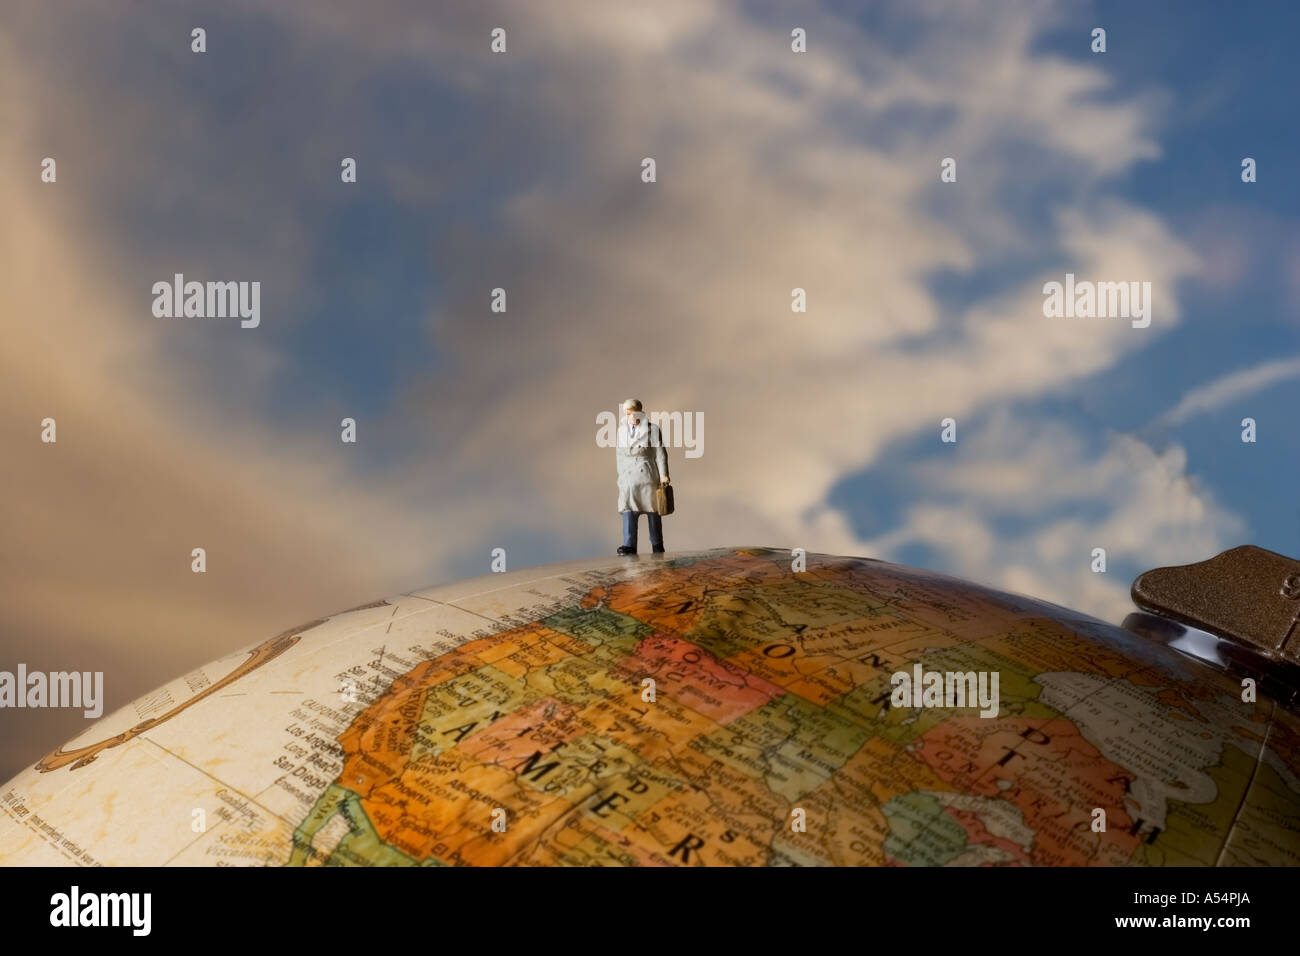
<point>654,522</point>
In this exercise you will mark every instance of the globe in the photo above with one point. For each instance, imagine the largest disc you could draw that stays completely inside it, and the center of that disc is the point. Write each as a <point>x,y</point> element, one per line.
<point>740,706</point>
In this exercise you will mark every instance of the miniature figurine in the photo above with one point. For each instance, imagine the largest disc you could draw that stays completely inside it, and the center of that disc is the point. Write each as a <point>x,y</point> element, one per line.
<point>642,469</point>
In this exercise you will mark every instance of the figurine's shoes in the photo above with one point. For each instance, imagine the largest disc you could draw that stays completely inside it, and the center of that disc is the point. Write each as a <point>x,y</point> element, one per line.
<point>657,550</point>
<point>626,550</point>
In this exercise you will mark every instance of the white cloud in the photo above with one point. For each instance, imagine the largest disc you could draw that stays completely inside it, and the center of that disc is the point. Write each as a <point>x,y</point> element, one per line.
<point>771,177</point>
<point>763,187</point>
<point>1151,513</point>
<point>1229,388</point>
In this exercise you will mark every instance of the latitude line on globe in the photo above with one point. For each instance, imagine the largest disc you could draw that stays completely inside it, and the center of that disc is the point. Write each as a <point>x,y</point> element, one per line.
<point>1250,782</point>
<point>223,783</point>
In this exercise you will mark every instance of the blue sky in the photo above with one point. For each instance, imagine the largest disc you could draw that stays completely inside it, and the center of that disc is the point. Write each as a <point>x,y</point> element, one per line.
<point>1227,75</point>
<point>1230,72</point>
<point>370,277</point>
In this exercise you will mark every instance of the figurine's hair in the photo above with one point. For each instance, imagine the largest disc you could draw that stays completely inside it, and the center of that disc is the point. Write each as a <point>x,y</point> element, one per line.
<point>632,404</point>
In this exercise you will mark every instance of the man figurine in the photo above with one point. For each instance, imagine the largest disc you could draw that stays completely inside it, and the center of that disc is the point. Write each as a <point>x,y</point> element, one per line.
<point>642,469</point>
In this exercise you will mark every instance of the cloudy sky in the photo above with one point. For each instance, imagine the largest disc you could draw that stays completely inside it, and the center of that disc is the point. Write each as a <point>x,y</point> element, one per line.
<point>522,170</point>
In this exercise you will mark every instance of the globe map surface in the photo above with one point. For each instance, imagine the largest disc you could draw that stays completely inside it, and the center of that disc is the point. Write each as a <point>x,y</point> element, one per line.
<point>400,732</point>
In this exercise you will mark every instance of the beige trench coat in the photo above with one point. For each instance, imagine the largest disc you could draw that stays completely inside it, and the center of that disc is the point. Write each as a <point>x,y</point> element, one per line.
<point>642,464</point>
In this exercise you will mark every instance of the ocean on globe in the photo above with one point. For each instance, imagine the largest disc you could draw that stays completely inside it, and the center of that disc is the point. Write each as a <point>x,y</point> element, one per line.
<point>714,708</point>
